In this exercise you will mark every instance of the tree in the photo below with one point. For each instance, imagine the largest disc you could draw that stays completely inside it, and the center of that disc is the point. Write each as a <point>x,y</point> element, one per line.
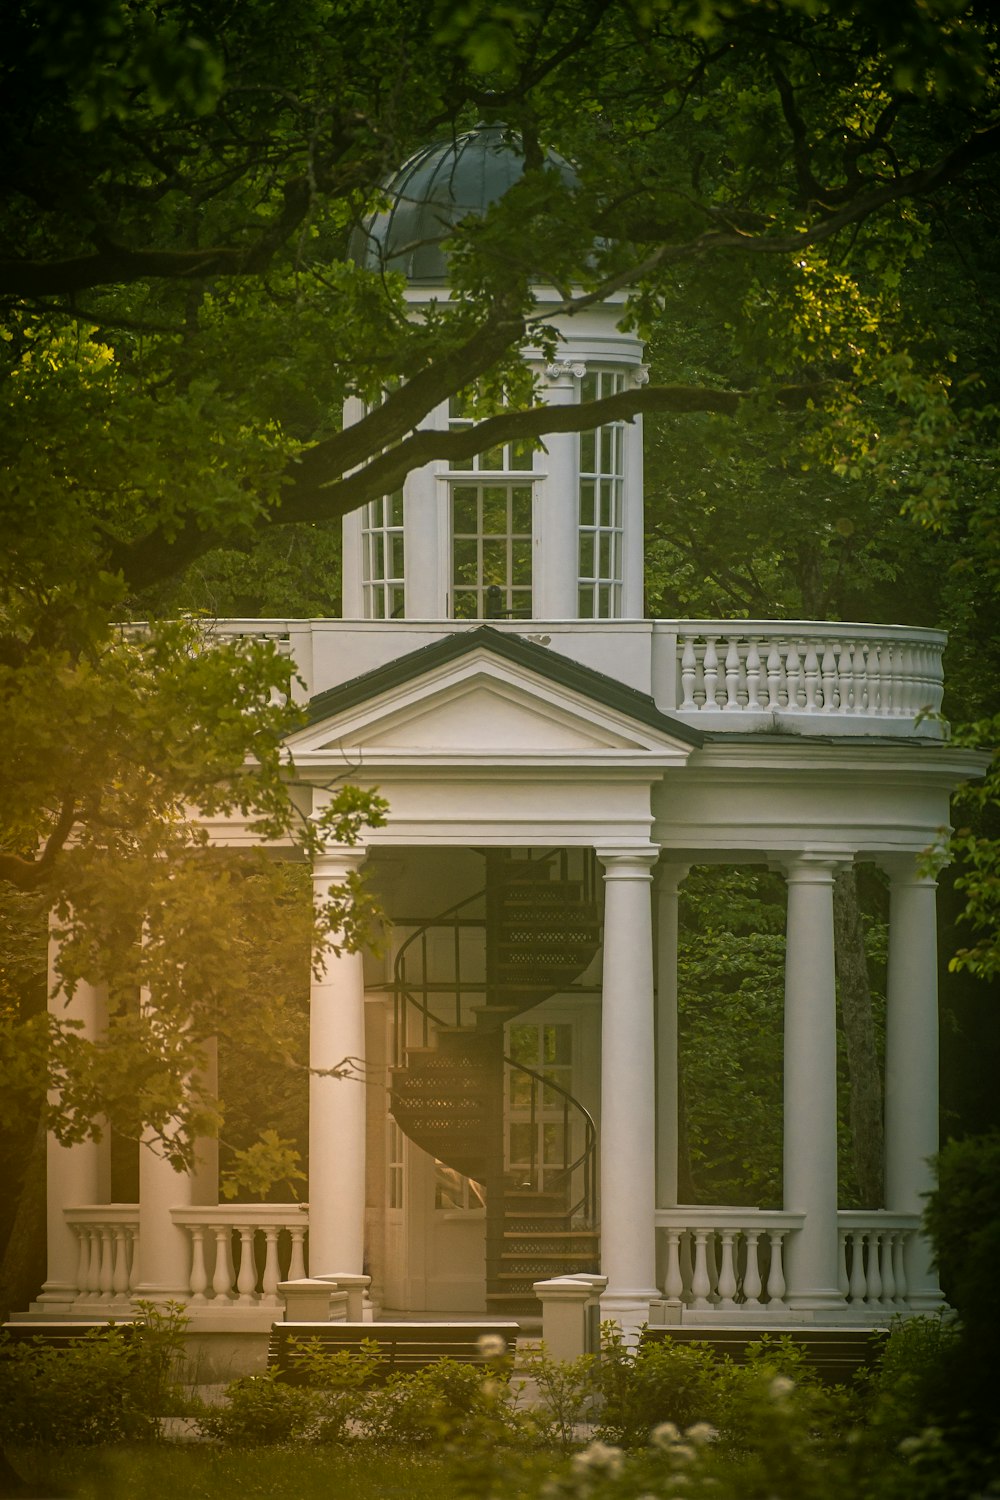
<point>183,322</point>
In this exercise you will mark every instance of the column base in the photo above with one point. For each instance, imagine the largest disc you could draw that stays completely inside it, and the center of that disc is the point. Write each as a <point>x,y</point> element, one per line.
<point>822,1300</point>
<point>56,1297</point>
<point>629,1309</point>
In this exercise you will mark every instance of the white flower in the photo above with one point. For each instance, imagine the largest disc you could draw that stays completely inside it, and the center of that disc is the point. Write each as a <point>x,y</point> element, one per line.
<point>491,1345</point>
<point>665,1434</point>
<point>780,1387</point>
<point>683,1453</point>
<point>701,1433</point>
<point>598,1455</point>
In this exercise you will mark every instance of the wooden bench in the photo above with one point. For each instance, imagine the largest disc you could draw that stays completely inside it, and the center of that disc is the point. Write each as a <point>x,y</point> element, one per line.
<point>836,1354</point>
<point>60,1333</point>
<point>403,1347</point>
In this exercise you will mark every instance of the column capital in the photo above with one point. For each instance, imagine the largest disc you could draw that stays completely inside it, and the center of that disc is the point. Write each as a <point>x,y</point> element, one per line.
<point>628,861</point>
<point>337,861</point>
<point>669,874</point>
<point>810,866</point>
<point>906,869</point>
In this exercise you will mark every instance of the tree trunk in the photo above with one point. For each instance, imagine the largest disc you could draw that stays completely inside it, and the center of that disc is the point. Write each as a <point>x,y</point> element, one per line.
<point>22,1268</point>
<point>855,997</point>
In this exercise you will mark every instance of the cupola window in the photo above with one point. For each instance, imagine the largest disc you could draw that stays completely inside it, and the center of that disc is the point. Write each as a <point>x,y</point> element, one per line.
<point>382,560</point>
<point>602,473</point>
<point>467,407</point>
<point>491,551</point>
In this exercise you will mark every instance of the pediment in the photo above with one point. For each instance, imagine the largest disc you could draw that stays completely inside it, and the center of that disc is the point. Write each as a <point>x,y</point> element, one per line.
<point>486,710</point>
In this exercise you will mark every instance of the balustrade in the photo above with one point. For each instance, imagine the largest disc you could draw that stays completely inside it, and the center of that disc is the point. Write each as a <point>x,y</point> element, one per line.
<point>240,1251</point>
<point>872,1258</point>
<point>725,1259</point>
<point>108,1237</point>
<point>810,668</point>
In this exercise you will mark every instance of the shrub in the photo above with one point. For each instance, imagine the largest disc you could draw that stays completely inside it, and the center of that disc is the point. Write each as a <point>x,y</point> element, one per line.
<point>260,1410</point>
<point>443,1403</point>
<point>656,1383</point>
<point>106,1387</point>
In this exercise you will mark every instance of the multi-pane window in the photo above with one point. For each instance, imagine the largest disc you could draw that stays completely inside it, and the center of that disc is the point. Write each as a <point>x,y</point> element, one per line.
<point>602,472</point>
<point>382,557</point>
<point>394,1163</point>
<point>464,409</point>
<point>539,1147</point>
<point>491,551</point>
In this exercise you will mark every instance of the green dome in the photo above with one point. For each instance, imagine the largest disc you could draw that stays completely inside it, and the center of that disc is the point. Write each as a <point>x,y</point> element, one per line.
<point>440,185</point>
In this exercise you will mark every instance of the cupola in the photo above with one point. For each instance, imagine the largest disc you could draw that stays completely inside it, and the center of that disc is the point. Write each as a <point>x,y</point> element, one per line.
<point>551,534</point>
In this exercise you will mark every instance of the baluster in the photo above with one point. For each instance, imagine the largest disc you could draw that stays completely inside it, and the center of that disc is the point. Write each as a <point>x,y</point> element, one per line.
<point>776,1270</point>
<point>859,673</point>
<point>701,1281</point>
<point>689,674</point>
<point>246,1284</point>
<point>843,1280</point>
<point>874,1274</point>
<point>199,1271</point>
<point>753,677</point>
<point>859,1282</point>
<point>712,1257</point>
<point>107,1281</point>
<point>885,1267</point>
<point>875,650</point>
<point>121,1274</point>
<point>899,1266</point>
<point>811,670</point>
<point>673,1285</point>
<point>888,669</point>
<point>793,677</point>
<point>297,1259</point>
<point>751,1276</point>
<point>727,1271</point>
<point>687,1265</point>
<point>845,679</point>
<point>733,675</point>
<point>774,676</point>
<point>272,1274</point>
<point>711,670</point>
<point>222,1279</point>
<point>829,677</point>
<point>82,1260</point>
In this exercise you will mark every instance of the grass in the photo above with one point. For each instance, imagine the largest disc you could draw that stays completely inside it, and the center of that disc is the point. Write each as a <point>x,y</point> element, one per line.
<point>174,1472</point>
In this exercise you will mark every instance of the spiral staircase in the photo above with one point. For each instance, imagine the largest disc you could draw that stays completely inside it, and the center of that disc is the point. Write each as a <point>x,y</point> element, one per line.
<point>459,979</point>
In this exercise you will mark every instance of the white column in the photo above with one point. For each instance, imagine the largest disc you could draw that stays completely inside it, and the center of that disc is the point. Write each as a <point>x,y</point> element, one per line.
<point>75,1175</point>
<point>911,1063</point>
<point>164,1259</point>
<point>336,1105</point>
<point>810,1085</point>
<point>628,1088</point>
<point>557,506</point>
<point>667,886</point>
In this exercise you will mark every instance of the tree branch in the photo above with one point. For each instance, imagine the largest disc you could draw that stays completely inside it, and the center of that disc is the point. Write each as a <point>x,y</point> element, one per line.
<point>28,874</point>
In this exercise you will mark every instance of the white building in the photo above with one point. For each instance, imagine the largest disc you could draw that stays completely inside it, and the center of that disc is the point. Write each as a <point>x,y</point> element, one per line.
<point>554,763</point>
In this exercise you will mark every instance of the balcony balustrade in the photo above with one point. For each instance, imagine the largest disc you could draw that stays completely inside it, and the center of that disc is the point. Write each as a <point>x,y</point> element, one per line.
<point>731,1261</point>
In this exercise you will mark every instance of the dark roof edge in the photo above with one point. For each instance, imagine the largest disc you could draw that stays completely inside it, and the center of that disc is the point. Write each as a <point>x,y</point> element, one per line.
<point>551,664</point>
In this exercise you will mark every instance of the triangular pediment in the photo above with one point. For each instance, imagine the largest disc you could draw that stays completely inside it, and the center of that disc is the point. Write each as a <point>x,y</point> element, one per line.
<point>481,706</point>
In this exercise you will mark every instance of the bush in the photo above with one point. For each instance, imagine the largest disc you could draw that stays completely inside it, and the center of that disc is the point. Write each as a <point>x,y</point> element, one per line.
<point>661,1382</point>
<point>442,1403</point>
<point>259,1411</point>
<point>106,1387</point>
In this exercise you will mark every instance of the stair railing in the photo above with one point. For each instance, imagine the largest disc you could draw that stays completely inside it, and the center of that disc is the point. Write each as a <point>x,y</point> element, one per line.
<point>404,995</point>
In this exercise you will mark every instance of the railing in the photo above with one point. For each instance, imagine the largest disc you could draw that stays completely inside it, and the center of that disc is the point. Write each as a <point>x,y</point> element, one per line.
<point>108,1239</point>
<point>872,1257</point>
<point>889,673</point>
<point>726,1258</point>
<point>240,1251</point>
<point>462,993</point>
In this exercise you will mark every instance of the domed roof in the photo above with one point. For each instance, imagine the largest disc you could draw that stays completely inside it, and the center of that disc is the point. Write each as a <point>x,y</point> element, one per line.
<point>433,191</point>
